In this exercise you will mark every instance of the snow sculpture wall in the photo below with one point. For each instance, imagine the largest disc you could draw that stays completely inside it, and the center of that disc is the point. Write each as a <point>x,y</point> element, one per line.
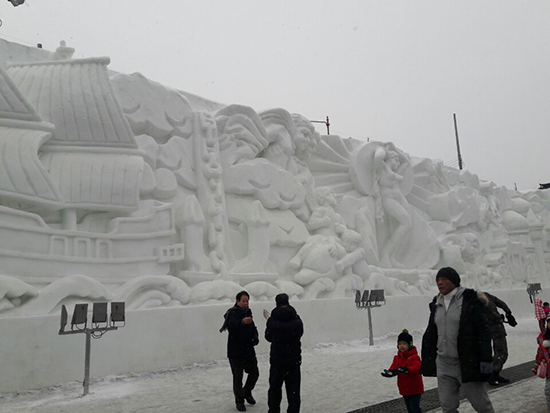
<point>119,188</point>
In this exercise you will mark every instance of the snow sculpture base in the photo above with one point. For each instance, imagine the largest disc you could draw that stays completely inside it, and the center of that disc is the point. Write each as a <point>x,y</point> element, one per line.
<point>30,346</point>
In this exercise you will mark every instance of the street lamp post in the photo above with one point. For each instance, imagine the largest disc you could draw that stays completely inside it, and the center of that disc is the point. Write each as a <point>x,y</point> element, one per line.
<point>325,122</point>
<point>533,289</point>
<point>99,326</point>
<point>374,299</point>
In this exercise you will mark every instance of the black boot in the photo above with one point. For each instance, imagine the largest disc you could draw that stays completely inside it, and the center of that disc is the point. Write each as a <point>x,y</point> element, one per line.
<point>249,399</point>
<point>502,379</point>
<point>493,380</point>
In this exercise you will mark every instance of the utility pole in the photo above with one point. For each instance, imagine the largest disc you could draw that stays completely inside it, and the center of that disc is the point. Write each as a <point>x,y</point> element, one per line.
<point>457,144</point>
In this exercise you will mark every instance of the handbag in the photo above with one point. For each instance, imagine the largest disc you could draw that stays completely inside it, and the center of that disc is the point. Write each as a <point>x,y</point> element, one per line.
<point>542,371</point>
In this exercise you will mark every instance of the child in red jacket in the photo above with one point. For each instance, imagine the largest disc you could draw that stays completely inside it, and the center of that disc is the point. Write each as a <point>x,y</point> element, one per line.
<point>406,366</point>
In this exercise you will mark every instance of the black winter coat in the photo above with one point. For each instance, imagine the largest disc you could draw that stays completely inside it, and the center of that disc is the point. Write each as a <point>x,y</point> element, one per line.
<point>242,337</point>
<point>283,330</point>
<point>494,318</point>
<point>474,338</point>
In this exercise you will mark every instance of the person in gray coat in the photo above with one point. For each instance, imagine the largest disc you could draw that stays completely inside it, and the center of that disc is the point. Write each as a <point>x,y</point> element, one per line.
<point>456,346</point>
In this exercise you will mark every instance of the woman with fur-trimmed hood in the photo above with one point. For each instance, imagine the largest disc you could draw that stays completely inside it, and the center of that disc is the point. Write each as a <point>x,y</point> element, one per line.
<point>456,346</point>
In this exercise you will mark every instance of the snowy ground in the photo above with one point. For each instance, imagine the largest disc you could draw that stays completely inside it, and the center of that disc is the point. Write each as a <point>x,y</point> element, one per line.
<point>336,377</point>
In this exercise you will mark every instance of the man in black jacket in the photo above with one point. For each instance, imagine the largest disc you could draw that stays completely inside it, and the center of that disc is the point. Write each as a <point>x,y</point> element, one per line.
<point>498,334</point>
<point>456,346</point>
<point>284,329</point>
<point>243,336</point>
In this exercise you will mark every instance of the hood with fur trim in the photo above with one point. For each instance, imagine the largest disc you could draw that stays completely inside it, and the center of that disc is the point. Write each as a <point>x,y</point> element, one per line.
<point>483,299</point>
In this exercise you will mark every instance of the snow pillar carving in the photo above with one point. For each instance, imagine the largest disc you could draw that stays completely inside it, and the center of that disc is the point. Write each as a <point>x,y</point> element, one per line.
<point>193,236</point>
<point>258,242</point>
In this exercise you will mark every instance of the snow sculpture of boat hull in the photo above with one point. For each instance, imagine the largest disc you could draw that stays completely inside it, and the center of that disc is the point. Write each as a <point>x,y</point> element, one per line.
<point>135,246</point>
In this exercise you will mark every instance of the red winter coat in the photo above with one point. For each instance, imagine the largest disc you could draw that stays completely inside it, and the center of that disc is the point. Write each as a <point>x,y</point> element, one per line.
<point>542,354</point>
<point>411,382</point>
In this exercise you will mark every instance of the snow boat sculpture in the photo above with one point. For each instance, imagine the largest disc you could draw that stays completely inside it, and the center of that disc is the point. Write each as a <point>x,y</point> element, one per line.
<point>121,188</point>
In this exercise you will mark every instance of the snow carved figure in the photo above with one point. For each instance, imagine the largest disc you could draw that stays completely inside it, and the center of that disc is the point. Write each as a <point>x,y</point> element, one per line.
<point>305,143</point>
<point>387,164</point>
<point>318,258</point>
<point>281,133</point>
<point>241,133</point>
<point>254,154</point>
<point>404,240</point>
<point>355,260</point>
<point>324,219</point>
<point>457,252</point>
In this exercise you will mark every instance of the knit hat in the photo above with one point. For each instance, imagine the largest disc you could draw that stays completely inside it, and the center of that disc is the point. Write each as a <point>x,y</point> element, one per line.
<point>281,299</point>
<point>406,337</point>
<point>450,274</point>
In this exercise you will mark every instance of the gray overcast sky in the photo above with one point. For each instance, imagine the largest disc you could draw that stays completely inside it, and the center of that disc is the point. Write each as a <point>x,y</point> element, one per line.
<point>386,70</point>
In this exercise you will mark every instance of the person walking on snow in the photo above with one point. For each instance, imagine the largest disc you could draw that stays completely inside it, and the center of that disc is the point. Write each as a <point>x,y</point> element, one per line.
<point>284,329</point>
<point>498,335</point>
<point>456,346</point>
<point>406,366</point>
<point>243,337</point>
<point>542,356</point>
<point>540,315</point>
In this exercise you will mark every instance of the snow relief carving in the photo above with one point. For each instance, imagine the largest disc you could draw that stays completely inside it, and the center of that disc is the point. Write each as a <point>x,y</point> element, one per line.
<point>121,188</point>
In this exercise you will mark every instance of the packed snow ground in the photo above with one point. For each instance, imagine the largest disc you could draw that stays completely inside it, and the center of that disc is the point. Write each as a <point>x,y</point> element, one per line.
<point>526,396</point>
<point>336,377</point>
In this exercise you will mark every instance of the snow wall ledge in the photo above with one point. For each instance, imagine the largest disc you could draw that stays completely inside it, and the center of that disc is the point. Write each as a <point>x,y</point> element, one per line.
<point>35,356</point>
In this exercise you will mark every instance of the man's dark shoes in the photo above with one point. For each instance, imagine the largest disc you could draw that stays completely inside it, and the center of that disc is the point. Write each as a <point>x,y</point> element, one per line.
<point>493,380</point>
<point>502,379</point>
<point>241,407</point>
<point>249,399</point>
